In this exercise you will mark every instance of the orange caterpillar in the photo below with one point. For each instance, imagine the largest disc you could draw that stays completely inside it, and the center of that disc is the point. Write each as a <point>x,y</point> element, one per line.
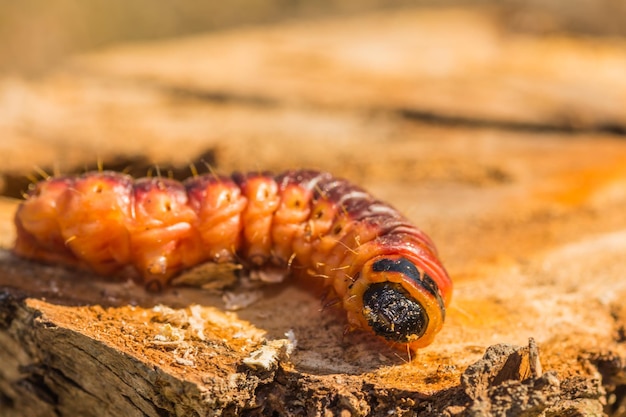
<point>384,270</point>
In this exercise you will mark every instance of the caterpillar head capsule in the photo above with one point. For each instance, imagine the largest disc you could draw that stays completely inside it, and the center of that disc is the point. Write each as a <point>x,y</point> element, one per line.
<point>400,301</point>
<point>392,313</point>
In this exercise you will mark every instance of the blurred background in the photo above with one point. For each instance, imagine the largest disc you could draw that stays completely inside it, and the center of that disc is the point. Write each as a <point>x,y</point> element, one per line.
<point>99,80</point>
<point>36,35</point>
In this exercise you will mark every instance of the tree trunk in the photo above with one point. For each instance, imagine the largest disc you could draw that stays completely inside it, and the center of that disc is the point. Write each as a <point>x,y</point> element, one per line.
<point>507,149</point>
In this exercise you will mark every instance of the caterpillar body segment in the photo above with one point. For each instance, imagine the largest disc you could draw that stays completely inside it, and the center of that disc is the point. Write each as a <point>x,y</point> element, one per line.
<point>384,270</point>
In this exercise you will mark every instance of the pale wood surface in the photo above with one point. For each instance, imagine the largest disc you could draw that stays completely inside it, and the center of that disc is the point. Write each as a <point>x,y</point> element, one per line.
<point>507,149</point>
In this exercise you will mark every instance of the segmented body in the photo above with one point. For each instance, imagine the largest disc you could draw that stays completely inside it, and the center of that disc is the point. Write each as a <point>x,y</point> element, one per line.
<point>384,270</point>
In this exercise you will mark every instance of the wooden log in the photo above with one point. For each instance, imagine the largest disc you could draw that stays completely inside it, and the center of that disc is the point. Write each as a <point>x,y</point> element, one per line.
<point>526,210</point>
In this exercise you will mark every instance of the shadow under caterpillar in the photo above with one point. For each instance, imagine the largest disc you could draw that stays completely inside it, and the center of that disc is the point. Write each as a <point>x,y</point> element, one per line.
<point>384,270</point>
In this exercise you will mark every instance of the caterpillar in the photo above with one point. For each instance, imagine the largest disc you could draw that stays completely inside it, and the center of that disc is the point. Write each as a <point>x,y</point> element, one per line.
<point>384,271</point>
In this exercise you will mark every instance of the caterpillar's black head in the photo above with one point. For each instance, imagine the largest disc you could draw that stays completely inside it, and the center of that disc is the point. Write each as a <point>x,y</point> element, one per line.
<point>401,302</point>
<point>393,314</point>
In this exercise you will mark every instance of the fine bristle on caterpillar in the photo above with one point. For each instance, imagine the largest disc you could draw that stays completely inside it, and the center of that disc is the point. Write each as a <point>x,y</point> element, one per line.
<point>384,270</point>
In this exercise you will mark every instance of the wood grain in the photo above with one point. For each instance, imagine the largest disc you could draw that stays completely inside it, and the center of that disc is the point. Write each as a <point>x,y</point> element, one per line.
<point>508,150</point>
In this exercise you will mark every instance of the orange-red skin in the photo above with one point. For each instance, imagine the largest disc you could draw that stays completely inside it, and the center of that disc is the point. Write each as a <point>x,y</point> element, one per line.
<point>317,224</point>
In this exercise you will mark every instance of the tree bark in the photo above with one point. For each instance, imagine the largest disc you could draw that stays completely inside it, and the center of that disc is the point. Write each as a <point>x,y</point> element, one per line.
<point>507,149</point>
